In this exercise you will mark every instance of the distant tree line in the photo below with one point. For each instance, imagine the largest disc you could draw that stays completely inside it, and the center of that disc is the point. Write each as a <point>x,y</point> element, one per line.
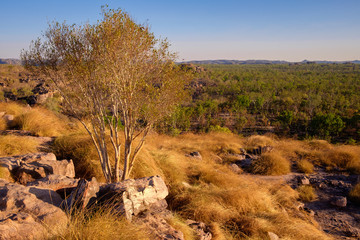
<point>307,100</point>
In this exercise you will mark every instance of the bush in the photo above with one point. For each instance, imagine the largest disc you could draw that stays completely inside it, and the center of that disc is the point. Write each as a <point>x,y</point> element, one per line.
<point>218,128</point>
<point>306,193</point>
<point>271,163</point>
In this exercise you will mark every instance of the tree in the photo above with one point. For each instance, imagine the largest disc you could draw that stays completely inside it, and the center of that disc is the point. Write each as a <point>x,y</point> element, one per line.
<point>325,125</point>
<point>110,73</point>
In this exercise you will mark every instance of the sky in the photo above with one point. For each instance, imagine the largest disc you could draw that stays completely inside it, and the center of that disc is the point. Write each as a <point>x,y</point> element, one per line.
<point>291,30</point>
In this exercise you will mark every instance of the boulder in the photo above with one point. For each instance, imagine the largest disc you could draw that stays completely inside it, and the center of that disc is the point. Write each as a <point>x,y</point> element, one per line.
<point>339,201</point>
<point>55,182</point>
<point>84,195</point>
<point>273,236</point>
<point>235,168</point>
<point>195,155</point>
<point>201,230</point>
<point>159,228</point>
<point>29,212</point>
<point>29,167</point>
<point>134,196</point>
<point>303,180</point>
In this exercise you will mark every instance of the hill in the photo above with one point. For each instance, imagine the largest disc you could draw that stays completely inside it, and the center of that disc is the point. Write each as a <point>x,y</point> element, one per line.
<point>12,61</point>
<point>230,62</point>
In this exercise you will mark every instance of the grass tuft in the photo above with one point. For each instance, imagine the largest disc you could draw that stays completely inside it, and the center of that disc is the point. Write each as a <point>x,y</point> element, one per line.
<point>271,163</point>
<point>306,193</point>
<point>355,194</point>
<point>305,166</point>
<point>16,145</point>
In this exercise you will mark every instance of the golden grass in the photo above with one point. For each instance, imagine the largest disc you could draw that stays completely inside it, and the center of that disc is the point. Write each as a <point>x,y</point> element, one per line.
<point>79,148</point>
<point>12,108</point>
<point>41,122</point>
<point>101,223</point>
<point>306,193</point>
<point>259,141</point>
<point>234,206</point>
<point>305,166</point>
<point>178,223</point>
<point>355,194</point>
<point>16,145</point>
<point>271,163</point>
<point>3,124</point>
<point>343,157</point>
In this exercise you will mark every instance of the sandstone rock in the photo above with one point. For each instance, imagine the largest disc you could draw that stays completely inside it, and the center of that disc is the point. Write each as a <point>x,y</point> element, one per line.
<point>83,195</point>
<point>55,182</point>
<point>195,155</point>
<point>137,195</point>
<point>201,230</point>
<point>158,226</point>
<point>303,180</point>
<point>29,167</point>
<point>235,168</point>
<point>339,201</point>
<point>25,211</point>
<point>273,236</point>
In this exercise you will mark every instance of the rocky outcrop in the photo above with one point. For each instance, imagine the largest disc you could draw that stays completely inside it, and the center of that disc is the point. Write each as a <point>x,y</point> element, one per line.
<point>83,195</point>
<point>29,167</point>
<point>29,212</point>
<point>137,195</point>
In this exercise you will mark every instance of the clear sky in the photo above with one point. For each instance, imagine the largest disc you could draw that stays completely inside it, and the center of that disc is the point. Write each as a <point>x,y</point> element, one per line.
<point>291,30</point>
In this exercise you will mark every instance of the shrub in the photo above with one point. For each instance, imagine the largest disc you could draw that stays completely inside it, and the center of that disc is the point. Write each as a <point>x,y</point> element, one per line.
<point>305,166</point>
<point>306,193</point>
<point>271,163</point>
<point>218,128</point>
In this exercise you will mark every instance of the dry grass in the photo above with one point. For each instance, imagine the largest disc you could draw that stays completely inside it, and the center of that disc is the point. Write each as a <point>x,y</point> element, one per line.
<point>355,194</point>
<point>305,166</point>
<point>101,224</point>
<point>271,163</point>
<point>234,206</point>
<point>306,193</point>
<point>16,145</point>
<point>343,157</point>
<point>12,108</point>
<point>3,124</point>
<point>259,141</point>
<point>41,122</point>
<point>79,148</point>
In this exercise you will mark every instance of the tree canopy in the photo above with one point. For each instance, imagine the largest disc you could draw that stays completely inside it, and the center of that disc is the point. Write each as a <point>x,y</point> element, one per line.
<point>112,73</point>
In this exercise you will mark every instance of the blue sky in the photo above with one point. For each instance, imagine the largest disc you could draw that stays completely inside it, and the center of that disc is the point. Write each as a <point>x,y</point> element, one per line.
<point>291,30</point>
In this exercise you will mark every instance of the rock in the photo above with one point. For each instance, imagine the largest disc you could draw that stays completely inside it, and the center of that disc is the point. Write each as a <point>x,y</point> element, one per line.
<point>55,182</point>
<point>235,168</point>
<point>26,210</point>
<point>195,155</point>
<point>8,118</point>
<point>84,195</point>
<point>201,230</point>
<point>159,227</point>
<point>309,211</point>
<point>303,180</point>
<point>299,205</point>
<point>273,236</point>
<point>134,196</point>
<point>339,201</point>
<point>29,167</point>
